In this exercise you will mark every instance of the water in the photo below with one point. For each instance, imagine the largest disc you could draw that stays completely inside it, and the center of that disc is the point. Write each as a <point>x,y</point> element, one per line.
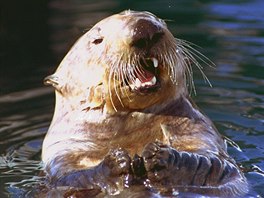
<point>36,35</point>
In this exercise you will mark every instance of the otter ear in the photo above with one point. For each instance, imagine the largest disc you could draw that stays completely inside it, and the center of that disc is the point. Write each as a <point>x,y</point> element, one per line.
<point>52,80</point>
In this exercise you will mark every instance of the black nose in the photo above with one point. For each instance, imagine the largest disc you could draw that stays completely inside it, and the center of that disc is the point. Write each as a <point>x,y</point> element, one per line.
<point>146,33</point>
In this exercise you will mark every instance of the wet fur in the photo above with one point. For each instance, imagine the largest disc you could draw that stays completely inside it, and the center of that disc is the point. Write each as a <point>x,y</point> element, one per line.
<point>99,125</point>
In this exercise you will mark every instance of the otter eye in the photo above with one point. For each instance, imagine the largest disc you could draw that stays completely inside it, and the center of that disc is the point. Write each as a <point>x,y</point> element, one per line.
<point>97,41</point>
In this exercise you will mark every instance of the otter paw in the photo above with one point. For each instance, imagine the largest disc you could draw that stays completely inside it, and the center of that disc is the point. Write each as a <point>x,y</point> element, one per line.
<point>117,162</point>
<point>158,159</point>
<point>113,173</point>
<point>167,166</point>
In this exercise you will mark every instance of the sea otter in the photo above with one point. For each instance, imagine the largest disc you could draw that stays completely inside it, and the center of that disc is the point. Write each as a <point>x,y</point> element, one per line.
<point>123,115</point>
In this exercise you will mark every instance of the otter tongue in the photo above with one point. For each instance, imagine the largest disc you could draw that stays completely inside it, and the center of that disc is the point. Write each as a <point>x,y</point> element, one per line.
<point>146,77</point>
<point>147,72</point>
<point>148,80</point>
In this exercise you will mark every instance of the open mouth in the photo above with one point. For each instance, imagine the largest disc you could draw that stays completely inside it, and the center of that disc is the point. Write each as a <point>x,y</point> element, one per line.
<point>146,77</point>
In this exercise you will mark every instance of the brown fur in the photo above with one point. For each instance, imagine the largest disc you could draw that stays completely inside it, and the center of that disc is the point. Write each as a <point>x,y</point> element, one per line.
<point>96,111</point>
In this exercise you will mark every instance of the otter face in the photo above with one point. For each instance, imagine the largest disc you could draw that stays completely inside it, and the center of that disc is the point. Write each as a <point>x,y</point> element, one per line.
<point>128,61</point>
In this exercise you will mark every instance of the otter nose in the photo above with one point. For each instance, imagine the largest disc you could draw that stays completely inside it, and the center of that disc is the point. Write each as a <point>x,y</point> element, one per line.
<point>146,33</point>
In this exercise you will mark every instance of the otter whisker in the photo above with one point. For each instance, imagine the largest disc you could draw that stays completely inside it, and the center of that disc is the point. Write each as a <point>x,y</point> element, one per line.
<point>121,77</point>
<point>188,71</point>
<point>192,54</point>
<point>135,64</point>
<point>188,74</point>
<point>170,59</point>
<point>124,77</point>
<point>197,64</point>
<point>189,77</point>
<point>197,53</point>
<point>116,77</point>
<point>139,69</point>
<point>115,88</point>
<point>175,65</point>
<point>130,71</point>
<point>163,61</point>
<point>120,72</point>
<point>113,76</point>
<point>179,66</point>
<point>109,88</point>
<point>130,75</point>
<point>178,62</point>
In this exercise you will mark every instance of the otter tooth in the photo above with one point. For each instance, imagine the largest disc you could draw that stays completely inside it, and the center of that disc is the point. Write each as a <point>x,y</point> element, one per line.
<point>146,84</point>
<point>153,80</point>
<point>150,83</point>
<point>138,83</point>
<point>132,87</point>
<point>155,62</point>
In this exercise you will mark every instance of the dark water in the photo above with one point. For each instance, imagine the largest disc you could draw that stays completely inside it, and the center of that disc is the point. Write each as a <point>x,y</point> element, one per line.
<point>35,35</point>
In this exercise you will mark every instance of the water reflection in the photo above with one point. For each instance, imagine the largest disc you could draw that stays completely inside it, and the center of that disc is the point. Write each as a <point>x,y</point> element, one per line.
<point>231,34</point>
<point>238,29</point>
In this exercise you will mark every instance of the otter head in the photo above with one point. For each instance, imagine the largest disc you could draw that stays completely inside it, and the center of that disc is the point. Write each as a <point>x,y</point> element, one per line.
<point>128,61</point>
